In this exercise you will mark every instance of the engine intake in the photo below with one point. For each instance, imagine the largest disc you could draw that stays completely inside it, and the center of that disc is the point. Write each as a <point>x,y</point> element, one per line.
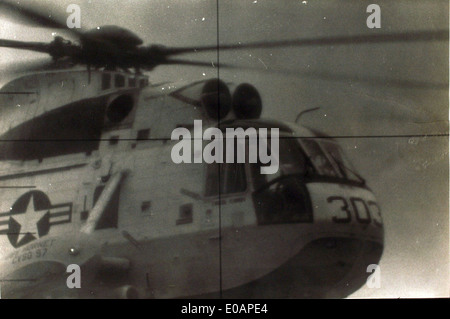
<point>120,108</point>
<point>247,103</point>
<point>216,99</point>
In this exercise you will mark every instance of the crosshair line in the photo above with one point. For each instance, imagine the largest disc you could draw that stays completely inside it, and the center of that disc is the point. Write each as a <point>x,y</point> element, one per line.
<point>17,233</point>
<point>193,138</point>
<point>16,187</point>
<point>13,280</point>
<point>17,93</point>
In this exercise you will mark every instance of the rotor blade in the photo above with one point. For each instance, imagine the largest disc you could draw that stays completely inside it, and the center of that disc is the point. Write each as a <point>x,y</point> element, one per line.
<point>32,65</point>
<point>31,46</point>
<point>437,35</point>
<point>28,66</point>
<point>376,81</point>
<point>35,65</point>
<point>325,76</point>
<point>193,63</point>
<point>349,79</point>
<point>35,16</point>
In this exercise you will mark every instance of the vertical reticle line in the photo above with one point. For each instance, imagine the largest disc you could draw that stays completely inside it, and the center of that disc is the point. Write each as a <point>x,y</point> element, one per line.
<point>220,164</point>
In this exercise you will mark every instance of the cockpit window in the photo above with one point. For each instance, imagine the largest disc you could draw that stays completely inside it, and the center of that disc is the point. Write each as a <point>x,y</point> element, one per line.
<point>343,164</point>
<point>282,198</point>
<point>319,159</point>
<point>329,160</point>
<point>291,161</point>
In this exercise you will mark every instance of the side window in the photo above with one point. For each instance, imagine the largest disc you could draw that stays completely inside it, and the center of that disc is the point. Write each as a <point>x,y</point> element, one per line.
<point>146,207</point>
<point>235,181</point>
<point>185,215</point>
<point>143,135</point>
<point>225,178</point>
<point>213,178</point>
<point>119,81</point>
<point>114,140</point>
<point>142,83</point>
<point>106,81</point>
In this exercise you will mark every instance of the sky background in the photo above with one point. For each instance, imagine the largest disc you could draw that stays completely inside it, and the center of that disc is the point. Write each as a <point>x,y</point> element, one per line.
<point>409,175</point>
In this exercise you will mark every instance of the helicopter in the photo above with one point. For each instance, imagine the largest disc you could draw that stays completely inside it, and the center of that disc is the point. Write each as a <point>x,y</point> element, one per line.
<point>86,178</point>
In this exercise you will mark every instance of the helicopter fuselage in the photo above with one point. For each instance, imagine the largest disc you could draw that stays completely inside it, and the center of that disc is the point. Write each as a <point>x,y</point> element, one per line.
<point>86,169</point>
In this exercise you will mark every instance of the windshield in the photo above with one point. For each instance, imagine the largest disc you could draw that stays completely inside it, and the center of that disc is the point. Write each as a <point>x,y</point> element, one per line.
<point>326,157</point>
<point>329,160</point>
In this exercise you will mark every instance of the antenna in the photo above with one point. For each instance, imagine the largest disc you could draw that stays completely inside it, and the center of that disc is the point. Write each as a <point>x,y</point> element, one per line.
<point>305,111</point>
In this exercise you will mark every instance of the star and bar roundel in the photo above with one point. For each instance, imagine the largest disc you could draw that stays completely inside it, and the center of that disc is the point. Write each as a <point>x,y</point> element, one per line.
<point>31,217</point>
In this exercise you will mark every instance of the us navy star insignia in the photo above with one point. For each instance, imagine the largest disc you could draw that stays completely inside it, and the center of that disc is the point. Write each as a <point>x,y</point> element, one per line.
<point>29,220</point>
<point>31,217</point>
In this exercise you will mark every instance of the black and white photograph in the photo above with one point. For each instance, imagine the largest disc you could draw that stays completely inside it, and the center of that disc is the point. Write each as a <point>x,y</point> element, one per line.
<point>224,149</point>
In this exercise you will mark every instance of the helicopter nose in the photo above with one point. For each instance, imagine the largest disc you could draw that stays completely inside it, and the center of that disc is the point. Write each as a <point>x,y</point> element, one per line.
<point>334,267</point>
<point>346,210</point>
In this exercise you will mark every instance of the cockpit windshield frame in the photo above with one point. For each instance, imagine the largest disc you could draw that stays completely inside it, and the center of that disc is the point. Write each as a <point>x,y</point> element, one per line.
<point>341,167</point>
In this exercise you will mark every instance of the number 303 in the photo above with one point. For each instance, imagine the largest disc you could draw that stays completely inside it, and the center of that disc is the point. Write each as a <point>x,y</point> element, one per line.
<point>364,211</point>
